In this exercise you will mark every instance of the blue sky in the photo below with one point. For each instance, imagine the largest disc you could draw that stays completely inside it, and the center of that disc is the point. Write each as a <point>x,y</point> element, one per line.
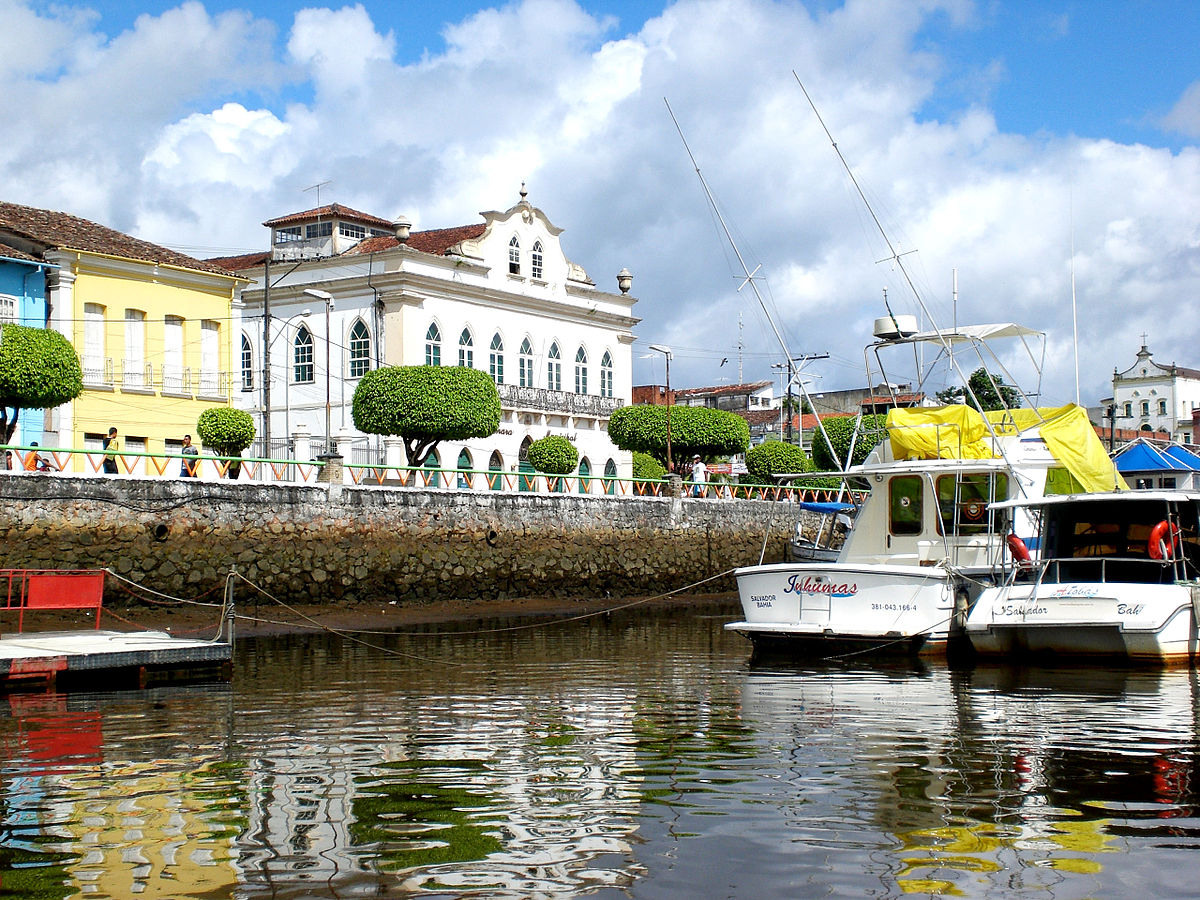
<point>991,135</point>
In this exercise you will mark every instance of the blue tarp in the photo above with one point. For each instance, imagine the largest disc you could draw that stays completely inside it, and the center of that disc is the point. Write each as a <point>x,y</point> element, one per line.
<point>1142,457</point>
<point>826,507</point>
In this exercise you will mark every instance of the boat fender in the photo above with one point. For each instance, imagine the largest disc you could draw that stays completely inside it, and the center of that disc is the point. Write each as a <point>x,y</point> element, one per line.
<point>1017,548</point>
<point>1164,541</point>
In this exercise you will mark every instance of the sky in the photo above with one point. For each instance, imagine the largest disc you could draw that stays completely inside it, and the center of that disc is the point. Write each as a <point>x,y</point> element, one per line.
<point>1046,154</point>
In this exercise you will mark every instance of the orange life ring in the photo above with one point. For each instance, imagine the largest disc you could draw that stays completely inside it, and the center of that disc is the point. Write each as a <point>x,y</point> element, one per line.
<point>1017,548</point>
<point>973,510</point>
<point>1164,540</point>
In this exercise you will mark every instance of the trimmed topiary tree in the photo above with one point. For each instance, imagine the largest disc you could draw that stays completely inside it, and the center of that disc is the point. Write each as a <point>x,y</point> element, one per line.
<point>647,467</point>
<point>553,455</point>
<point>425,405</point>
<point>841,434</point>
<point>39,369</point>
<point>772,458</point>
<point>228,432</point>
<point>694,429</point>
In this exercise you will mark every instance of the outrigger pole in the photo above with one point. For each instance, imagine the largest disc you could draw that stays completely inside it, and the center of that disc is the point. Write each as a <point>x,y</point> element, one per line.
<point>750,280</point>
<point>895,258</point>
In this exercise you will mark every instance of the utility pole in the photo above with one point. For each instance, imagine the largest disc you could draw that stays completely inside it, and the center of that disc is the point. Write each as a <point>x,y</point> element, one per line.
<point>266,375</point>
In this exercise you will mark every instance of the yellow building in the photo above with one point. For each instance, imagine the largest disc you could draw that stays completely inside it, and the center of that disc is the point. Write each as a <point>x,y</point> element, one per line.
<point>152,328</point>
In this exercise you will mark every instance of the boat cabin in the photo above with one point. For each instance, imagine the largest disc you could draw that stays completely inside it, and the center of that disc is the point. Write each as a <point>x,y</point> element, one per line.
<point>923,517</point>
<point>1145,537</point>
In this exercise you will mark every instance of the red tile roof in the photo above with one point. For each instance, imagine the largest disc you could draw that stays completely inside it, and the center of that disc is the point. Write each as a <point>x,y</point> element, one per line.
<point>14,253</point>
<point>436,241</point>
<point>332,211</point>
<point>43,229</point>
<point>244,261</point>
<point>723,389</point>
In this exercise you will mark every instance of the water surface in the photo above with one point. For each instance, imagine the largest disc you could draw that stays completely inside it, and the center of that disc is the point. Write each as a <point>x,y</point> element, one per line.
<point>637,755</point>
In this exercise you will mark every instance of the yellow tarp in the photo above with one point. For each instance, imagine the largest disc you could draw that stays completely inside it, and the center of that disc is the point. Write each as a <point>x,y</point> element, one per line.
<point>959,432</point>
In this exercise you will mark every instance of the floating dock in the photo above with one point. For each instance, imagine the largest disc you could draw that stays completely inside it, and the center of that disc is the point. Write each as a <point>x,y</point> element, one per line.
<point>108,659</point>
<point>96,658</point>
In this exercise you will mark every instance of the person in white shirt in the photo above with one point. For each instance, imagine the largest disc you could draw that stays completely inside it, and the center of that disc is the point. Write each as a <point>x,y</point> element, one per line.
<point>699,475</point>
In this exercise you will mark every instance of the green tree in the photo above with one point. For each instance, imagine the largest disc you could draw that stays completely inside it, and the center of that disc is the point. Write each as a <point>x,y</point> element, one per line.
<point>553,455</point>
<point>646,466</point>
<point>38,370</point>
<point>841,431</point>
<point>425,405</point>
<point>771,458</point>
<point>694,429</point>
<point>227,431</point>
<point>1001,396</point>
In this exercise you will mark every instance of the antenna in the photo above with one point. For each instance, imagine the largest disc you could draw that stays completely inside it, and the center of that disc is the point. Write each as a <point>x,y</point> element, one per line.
<point>750,279</point>
<point>1074,317</point>
<point>317,187</point>
<point>741,347</point>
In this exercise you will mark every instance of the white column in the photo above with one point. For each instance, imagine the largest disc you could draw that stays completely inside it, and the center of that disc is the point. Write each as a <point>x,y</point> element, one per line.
<point>394,455</point>
<point>301,444</point>
<point>59,425</point>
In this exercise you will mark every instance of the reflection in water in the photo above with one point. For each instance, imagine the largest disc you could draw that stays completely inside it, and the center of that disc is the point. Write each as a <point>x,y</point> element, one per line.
<point>637,755</point>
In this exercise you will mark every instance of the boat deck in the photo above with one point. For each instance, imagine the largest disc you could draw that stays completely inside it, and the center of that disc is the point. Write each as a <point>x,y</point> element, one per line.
<point>108,658</point>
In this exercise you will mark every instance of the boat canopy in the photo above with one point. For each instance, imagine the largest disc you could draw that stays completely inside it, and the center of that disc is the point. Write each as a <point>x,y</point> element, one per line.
<point>961,432</point>
<point>974,333</point>
<point>814,506</point>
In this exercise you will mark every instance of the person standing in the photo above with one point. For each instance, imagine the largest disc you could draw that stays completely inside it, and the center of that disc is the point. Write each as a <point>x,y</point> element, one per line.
<point>699,475</point>
<point>111,446</point>
<point>187,467</point>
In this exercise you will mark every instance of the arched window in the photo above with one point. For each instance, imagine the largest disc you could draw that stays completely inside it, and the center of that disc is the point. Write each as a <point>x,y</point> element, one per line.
<point>527,477</point>
<point>581,371</point>
<point>585,476</point>
<point>610,475</point>
<point>360,349</point>
<point>496,359</point>
<point>606,375</point>
<point>495,471</point>
<point>535,260</point>
<point>433,345</point>
<point>554,369</point>
<point>464,469</point>
<point>525,364</point>
<point>514,256</point>
<point>302,356</point>
<point>247,364</point>
<point>466,350</point>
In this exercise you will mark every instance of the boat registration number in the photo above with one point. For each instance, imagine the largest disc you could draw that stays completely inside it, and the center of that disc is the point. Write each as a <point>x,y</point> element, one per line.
<point>894,607</point>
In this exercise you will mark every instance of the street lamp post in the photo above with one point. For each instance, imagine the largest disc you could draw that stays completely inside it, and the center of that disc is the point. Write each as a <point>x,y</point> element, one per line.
<point>666,352</point>
<point>328,298</point>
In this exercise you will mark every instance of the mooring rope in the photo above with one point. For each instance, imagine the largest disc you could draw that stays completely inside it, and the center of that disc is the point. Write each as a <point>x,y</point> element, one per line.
<point>508,628</point>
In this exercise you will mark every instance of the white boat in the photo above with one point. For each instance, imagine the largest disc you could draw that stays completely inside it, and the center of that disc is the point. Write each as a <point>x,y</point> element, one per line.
<point>926,538</point>
<point>1118,576</point>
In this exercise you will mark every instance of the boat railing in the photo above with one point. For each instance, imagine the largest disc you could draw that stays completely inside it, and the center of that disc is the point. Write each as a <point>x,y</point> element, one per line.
<point>1102,570</point>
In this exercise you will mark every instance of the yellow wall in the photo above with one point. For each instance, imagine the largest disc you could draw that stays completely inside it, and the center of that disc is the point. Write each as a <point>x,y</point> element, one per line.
<point>158,292</point>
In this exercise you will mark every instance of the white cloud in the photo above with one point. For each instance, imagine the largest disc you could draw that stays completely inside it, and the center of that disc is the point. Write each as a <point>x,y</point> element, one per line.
<point>191,129</point>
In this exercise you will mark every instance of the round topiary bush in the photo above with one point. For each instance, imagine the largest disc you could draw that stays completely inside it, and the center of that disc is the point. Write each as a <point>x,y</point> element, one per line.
<point>553,455</point>
<point>772,458</point>
<point>228,431</point>
<point>646,466</point>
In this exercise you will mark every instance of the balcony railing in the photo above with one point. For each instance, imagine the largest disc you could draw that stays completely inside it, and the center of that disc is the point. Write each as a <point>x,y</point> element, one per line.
<point>98,372</point>
<point>557,401</point>
<point>137,376</point>
<point>177,380</point>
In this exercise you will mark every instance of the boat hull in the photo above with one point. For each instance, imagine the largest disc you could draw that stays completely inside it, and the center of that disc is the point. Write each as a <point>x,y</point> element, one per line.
<point>818,609</point>
<point>1146,623</point>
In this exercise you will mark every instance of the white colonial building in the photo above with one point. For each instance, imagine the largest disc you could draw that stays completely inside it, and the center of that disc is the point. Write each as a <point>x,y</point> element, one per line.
<point>499,296</point>
<point>1149,397</point>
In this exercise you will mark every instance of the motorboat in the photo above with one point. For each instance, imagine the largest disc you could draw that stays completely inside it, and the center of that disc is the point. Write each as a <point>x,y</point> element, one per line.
<point>1118,576</point>
<point>934,527</point>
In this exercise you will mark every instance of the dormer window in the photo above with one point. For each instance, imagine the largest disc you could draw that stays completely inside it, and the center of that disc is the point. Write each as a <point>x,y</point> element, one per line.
<point>352,231</point>
<point>514,256</point>
<point>318,230</point>
<point>286,235</point>
<point>535,261</point>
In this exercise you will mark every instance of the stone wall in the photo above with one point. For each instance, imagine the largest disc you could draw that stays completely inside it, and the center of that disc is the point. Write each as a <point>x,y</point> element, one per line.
<point>343,545</point>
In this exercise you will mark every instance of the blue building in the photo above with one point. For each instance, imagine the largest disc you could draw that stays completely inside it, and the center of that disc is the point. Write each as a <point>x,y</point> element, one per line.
<point>23,301</point>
